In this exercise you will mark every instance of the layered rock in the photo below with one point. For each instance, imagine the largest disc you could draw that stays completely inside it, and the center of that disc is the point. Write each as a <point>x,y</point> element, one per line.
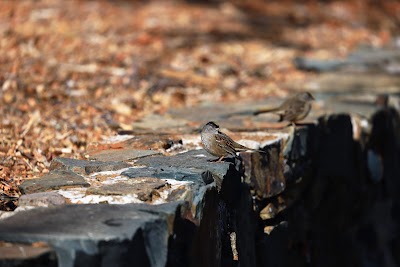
<point>317,196</point>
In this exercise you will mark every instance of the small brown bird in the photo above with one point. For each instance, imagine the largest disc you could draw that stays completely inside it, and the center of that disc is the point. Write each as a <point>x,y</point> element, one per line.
<point>219,144</point>
<point>292,109</point>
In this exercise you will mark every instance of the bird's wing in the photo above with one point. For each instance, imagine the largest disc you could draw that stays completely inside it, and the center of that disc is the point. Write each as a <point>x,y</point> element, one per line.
<point>223,139</point>
<point>226,143</point>
<point>293,111</point>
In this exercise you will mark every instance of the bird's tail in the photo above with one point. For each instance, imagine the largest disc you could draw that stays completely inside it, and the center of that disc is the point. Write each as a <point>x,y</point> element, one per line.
<point>265,110</point>
<point>250,112</point>
<point>244,148</point>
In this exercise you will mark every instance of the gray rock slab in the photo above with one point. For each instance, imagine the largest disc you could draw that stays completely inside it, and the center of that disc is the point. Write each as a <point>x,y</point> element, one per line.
<point>144,188</point>
<point>41,199</point>
<point>193,166</point>
<point>53,180</point>
<point>164,172</point>
<point>236,117</point>
<point>97,235</point>
<point>121,154</point>
<point>310,64</point>
<point>193,160</point>
<point>160,123</point>
<point>86,167</point>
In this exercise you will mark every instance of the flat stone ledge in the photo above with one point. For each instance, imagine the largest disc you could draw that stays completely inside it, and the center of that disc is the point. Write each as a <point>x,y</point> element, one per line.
<point>53,180</point>
<point>83,167</point>
<point>93,231</point>
<point>261,193</point>
<point>41,199</point>
<point>121,154</point>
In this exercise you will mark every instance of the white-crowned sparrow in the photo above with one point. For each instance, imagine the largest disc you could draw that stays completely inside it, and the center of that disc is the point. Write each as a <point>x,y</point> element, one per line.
<point>219,144</point>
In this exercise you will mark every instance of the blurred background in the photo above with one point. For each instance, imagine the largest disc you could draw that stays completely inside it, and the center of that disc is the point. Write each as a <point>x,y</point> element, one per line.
<point>74,72</point>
